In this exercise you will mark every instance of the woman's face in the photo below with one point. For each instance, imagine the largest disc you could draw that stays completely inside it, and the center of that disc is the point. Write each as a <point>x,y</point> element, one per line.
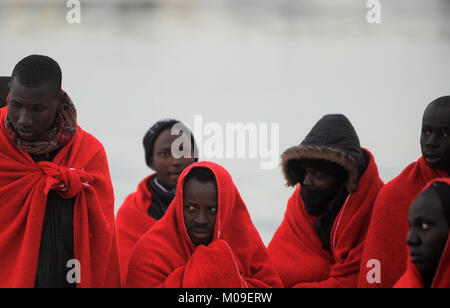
<point>428,232</point>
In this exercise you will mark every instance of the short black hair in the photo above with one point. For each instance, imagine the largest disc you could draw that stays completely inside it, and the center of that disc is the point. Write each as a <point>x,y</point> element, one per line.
<point>201,174</point>
<point>441,101</point>
<point>36,70</point>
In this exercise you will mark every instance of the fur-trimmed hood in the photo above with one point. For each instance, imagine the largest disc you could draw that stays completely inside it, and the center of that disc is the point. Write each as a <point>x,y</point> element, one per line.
<point>332,139</point>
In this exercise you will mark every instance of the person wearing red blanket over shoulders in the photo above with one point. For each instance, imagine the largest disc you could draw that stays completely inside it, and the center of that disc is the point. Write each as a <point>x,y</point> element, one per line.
<point>143,208</point>
<point>56,195</point>
<point>393,202</point>
<point>205,240</point>
<point>320,241</point>
<point>428,239</point>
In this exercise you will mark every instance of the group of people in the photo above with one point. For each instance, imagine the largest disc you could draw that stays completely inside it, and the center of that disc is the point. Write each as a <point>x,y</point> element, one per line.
<point>187,226</point>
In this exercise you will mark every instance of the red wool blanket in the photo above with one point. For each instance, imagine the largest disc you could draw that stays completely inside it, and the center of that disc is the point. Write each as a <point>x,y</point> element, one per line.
<point>386,239</point>
<point>79,170</point>
<point>297,251</point>
<point>133,221</point>
<point>412,279</point>
<point>165,257</point>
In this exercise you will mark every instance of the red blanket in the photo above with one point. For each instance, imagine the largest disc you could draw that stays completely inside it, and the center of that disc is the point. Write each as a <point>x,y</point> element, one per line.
<point>389,226</point>
<point>297,250</point>
<point>133,221</point>
<point>412,279</point>
<point>79,170</point>
<point>165,257</point>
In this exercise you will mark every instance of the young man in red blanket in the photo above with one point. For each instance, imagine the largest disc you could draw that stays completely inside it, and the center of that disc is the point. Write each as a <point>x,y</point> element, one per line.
<point>428,239</point>
<point>319,243</point>
<point>385,255</point>
<point>143,208</point>
<point>56,198</point>
<point>205,240</point>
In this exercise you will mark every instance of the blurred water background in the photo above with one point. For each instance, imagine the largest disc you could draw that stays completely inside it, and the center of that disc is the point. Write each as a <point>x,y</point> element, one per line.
<point>131,63</point>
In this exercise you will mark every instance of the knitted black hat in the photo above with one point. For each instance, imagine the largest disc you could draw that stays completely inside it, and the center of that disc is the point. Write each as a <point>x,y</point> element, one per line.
<point>154,132</point>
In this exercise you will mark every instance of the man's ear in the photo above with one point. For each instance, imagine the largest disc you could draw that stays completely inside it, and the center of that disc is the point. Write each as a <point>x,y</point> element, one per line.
<point>151,165</point>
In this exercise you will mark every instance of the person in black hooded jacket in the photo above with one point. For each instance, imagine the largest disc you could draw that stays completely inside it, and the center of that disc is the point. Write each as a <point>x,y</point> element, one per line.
<point>320,241</point>
<point>326,182</point>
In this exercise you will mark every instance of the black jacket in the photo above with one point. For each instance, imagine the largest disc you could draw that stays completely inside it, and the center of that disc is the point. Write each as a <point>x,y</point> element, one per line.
<point>57,246</point>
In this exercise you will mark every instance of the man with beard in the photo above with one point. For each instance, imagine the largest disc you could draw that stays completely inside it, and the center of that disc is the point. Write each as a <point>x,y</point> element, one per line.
<point>320,241</point>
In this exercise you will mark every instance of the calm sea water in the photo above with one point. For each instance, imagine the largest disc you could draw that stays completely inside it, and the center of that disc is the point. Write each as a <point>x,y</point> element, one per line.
<point>129,64</point>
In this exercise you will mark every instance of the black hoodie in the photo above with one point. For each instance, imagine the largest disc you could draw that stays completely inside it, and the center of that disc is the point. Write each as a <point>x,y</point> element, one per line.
<point>332,141</point>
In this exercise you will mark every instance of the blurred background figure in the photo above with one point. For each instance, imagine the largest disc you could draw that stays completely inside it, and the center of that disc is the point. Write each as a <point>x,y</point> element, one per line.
<point>241,61</point>
<point>4,89</point>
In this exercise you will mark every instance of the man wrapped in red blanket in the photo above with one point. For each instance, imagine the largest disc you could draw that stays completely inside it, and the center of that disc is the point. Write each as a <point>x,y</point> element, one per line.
<point>320,241</point>
<point>143,208</point>
<point>56,197</point>
<point>428,239</point>
<point>385,254</point>
<point>205,240</point>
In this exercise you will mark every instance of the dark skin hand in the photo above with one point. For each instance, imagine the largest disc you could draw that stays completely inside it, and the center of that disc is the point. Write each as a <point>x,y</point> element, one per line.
<point>32,111</point>
<point>167,167</point>
<point>428,234</point>
<point>200,211</point>
<point>435,138</point>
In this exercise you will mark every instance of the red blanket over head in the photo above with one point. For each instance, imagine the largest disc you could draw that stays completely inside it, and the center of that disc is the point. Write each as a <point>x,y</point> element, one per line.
<point>133,221</point>
<point>296,249</point>
<point>412,279</point>
<point>83,169</point>
<point>386,239</point>
<point>237,257</point>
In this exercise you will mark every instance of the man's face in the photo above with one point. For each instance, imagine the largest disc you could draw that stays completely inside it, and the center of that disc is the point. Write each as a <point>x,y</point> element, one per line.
<point>428,232</point>
<point>317,180</point>
<point>32,111</point>
<point>318,190</point>
<point>200,211</point>
<point>435,138</point>
<point>167,167</point>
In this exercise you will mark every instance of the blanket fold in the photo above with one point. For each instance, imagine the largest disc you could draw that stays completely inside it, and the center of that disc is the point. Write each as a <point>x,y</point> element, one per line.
<point>133,221</point>
<point>79,170</point>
